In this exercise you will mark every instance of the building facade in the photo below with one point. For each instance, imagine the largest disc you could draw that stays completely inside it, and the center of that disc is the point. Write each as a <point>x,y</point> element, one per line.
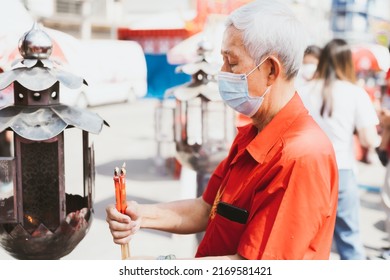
<point>361,20</point>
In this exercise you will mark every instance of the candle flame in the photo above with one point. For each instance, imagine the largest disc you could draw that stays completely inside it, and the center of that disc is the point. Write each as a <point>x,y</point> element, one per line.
<point>29,218</point>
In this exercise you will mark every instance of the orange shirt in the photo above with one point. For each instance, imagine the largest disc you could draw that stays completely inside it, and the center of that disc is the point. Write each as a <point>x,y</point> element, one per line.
<point>286,178</point>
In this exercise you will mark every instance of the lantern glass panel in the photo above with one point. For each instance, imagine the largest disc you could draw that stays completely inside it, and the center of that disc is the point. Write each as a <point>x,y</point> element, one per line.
<point>164,117</point>
<point>8,211</point>
<point>164,120</point>
<point>40,183</point>
<point>193,118</point>
<point>216,122</point>
<point>179,119</point>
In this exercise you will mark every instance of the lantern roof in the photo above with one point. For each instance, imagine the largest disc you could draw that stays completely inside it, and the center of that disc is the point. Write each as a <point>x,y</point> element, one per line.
<point>202,65</point>
<point>203,82</point>
<point>42,123</point>
<point>39,78</point>
<point>191,90</point>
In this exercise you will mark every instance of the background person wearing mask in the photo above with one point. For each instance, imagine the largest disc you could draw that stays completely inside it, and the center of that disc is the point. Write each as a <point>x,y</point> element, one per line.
<point>275,195</point>
<point>309,65</point>
<point>339,107</point>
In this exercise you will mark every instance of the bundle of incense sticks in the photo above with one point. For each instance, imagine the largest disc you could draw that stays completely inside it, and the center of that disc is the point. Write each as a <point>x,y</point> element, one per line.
<point>120,197</point>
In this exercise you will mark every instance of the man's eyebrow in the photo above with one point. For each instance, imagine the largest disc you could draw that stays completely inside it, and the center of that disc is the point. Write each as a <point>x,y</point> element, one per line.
<point>228,52</point>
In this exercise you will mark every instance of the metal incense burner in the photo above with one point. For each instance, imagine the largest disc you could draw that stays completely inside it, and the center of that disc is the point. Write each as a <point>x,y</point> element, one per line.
<point>38,218</point>
<point>203,125</point>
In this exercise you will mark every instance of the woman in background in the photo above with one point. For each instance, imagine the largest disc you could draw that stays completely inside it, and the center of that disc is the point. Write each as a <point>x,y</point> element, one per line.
<point>309,65</point>
<point>339,107</point>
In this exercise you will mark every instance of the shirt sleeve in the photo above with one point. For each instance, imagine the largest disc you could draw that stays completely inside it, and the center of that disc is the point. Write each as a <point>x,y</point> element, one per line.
<point>365,114</point>
<point>213,185</point>
<point>292,211</point>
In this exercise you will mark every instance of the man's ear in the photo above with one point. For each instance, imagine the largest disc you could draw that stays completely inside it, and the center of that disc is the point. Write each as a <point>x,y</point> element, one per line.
<point>274,70</point>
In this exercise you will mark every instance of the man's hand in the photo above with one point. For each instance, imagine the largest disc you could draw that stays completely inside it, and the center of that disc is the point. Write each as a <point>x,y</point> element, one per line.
<point>123,226</point>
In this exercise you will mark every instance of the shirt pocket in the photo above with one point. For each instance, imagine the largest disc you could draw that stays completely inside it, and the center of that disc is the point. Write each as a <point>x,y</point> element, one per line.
<point>228,233</point>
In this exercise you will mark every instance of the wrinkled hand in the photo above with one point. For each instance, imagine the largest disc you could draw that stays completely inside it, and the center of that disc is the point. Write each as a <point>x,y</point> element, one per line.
<point>123,226</point>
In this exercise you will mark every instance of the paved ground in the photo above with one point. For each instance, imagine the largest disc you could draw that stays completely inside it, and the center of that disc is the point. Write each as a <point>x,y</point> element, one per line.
<point>374,236</point>
<point>131,139</point>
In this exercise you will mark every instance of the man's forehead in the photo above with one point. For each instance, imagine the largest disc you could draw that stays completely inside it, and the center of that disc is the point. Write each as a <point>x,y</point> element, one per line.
<point>232,43</point>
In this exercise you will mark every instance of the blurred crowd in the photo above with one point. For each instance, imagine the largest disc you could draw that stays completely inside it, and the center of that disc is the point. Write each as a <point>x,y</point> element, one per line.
<point>346,100</point>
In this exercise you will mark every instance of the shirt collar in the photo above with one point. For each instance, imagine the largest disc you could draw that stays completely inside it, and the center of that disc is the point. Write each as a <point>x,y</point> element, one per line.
<point>269,136</point>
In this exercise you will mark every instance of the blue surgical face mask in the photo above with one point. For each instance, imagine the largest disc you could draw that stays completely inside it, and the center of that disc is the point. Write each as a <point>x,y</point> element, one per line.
<point>233,89</point>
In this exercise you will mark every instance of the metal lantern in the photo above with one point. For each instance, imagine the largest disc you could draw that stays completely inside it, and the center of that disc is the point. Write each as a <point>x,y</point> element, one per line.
<point>203,126</point>
<point>38,218</point>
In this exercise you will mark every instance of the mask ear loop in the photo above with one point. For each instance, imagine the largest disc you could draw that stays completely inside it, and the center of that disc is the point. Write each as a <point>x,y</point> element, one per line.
<point>261,62</point>
<point>250,72</point>
<point>267,91</point>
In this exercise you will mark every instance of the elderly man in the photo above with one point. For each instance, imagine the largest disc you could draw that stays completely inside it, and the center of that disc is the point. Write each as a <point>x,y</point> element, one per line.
<point>275,194</point>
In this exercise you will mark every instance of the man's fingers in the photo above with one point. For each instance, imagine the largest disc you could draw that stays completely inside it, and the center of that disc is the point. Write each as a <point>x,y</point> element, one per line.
<point>120,234</point>
<point>114,214</point>
<point>121,241</point>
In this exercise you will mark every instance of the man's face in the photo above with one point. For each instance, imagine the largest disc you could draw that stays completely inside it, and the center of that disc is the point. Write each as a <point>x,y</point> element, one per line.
<point>237,60</point>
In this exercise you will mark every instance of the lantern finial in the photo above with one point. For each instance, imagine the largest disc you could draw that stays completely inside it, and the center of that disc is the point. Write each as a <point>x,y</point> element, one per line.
<point>35,43</point>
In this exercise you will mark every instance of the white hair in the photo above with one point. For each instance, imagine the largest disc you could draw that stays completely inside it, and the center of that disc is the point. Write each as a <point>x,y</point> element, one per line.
<point>269,27</point>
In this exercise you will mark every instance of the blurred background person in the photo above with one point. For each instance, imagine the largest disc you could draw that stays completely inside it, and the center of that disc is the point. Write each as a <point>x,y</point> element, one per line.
<point>309,65</point>
<point>384,148</point>
<point>383,152</point>
<point>340,106</point>
<point>385,190</point>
